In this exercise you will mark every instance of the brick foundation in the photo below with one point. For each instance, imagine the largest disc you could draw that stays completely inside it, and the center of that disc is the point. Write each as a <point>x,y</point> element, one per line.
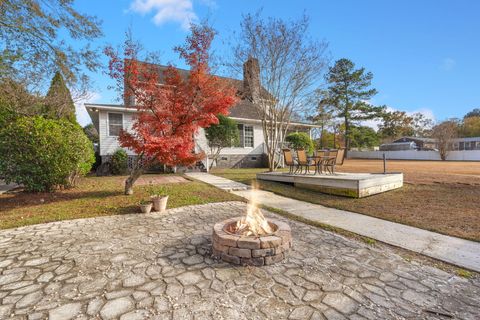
<point>257,251</point>
<point>241,161</point>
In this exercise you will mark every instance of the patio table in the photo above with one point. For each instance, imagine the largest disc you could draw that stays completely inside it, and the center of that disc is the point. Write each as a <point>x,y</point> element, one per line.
<point>318,162</point>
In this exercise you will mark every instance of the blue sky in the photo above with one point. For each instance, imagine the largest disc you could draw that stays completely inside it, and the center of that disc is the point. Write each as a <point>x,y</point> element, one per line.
<point>425,55</point>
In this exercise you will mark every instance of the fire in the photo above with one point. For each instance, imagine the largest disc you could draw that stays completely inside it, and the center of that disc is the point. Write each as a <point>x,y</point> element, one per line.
<point>254,223</point>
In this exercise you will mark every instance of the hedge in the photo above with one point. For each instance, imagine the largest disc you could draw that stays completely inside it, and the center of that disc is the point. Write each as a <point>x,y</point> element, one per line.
<point>44,154</point>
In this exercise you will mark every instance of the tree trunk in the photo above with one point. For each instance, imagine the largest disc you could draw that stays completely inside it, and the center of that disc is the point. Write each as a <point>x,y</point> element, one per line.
<point>443,151</point>
<point>347,136</point>
<point>334,137</point>
<point>134,175</point>
<point>321,136</point>
<point>215,156</point>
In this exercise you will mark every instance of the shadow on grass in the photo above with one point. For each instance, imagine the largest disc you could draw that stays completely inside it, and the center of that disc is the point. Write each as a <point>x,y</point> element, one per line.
<point>25,199</point>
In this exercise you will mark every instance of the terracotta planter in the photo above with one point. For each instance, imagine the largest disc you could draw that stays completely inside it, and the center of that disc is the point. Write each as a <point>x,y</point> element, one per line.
<point>159,203</point>
<point>146,208</point>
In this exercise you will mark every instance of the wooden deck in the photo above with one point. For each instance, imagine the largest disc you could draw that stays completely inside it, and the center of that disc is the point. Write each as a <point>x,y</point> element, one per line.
<point>355,185</point>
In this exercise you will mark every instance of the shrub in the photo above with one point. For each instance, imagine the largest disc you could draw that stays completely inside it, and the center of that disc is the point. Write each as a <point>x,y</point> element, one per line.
<point>97,162</point>
<point>44,154</point>
<point>300,140</point>
<point>119,162</point>
<point>222,135</point>
<point>7,115</point>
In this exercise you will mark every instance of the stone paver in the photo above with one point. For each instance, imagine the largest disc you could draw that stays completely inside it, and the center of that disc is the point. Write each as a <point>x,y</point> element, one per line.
<point>461,252</point>
<point>160,267</point>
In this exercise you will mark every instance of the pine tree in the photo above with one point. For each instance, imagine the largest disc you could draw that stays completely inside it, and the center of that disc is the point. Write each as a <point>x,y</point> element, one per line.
<point>58,102</point>
<point>349,89</point>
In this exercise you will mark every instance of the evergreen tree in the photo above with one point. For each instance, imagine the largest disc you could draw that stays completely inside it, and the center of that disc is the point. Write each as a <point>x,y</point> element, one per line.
<point>349,89</point>
<point>36,38</point>
<point>474,113</point>
<point>222,135</point>
<point>91,133</point>
<point>363,137</point>
<point>58,102</point>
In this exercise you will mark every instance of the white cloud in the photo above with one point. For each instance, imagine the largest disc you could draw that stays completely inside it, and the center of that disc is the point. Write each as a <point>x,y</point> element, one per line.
<point>448,64</point>
<point>82,115</point>
<point>180,11</point>
<point>428,113</point>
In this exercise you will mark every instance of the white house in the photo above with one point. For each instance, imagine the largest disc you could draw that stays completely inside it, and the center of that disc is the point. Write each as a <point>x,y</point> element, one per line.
<point>109,119</point>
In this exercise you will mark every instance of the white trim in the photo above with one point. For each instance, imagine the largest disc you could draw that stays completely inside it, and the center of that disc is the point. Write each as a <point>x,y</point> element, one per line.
<point>291,123</point>
<point>253,137</point>
<point>112,107</point>
<point>121,108</point>
<point>108,123</point>
<point>243,133</point>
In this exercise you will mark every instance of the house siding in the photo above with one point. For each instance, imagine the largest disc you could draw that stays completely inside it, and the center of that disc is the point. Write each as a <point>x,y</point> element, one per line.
<point>234,157</point>
<point>108,144</point>
<point>239,157</point>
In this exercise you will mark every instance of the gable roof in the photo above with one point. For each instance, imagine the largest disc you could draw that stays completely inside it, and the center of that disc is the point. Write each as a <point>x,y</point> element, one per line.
<point>244,109</point>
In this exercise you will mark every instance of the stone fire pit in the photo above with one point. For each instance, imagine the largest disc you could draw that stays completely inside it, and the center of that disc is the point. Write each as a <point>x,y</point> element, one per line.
<point>251,250</point>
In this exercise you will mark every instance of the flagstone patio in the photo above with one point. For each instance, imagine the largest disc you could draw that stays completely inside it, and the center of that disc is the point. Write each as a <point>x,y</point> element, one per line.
<point>159,267</point>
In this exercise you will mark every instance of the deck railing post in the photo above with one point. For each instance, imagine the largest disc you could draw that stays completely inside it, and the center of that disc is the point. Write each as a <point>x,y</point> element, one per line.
<point>384,163</point>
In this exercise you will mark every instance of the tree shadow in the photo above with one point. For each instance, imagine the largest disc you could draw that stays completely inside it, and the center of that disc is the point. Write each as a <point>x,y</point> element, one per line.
<point>25,199</point>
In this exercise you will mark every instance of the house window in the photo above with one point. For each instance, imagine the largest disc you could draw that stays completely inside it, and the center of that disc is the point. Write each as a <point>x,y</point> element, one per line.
<point>241,135</point>
<point>115,124</point>
<point>248,136</point>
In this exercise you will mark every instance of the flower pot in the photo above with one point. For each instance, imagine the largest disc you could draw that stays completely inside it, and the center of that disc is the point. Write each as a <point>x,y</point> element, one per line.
<point>146,208</point>
<point>160,203</point>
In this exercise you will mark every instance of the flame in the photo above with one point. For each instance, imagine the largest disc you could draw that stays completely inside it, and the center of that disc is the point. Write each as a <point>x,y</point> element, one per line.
<point>254,223</point>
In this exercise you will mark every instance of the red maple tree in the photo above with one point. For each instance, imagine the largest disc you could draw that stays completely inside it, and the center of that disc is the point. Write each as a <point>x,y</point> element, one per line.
<point>171,105</point>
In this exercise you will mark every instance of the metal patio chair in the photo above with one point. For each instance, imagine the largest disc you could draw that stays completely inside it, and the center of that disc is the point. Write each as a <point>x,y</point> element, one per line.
<point>303,161</point>
<point>336,158</point>
<point>319,158</point>
<point>289,161</point>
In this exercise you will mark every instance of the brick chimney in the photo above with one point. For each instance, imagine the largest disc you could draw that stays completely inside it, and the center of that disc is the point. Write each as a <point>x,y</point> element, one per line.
<point>251,79</point>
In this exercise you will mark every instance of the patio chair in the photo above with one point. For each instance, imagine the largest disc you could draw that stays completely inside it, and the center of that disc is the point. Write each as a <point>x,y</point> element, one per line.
<point>303,161</point>
<point>319,159</point>
<point>337,159</point>
<point>289,161</point>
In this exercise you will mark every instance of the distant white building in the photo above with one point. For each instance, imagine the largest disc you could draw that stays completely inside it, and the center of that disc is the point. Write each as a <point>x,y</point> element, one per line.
<point>415,148</point>
<point>461,144</point>
<point>457,144</point>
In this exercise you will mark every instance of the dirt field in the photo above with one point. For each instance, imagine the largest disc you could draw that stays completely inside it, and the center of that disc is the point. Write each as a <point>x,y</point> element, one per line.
<point>438,196</point>
<point>421,172</point>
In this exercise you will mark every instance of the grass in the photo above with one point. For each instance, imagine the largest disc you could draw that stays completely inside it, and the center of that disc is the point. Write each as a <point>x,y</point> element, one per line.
<point>446,207</point>
<point>99,196</point>
<point>407,255</point>
<point>464,273</point>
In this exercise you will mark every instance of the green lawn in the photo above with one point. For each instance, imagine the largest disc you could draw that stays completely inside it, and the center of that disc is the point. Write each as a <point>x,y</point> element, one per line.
<point>450,209</point>
<point>98,196</point>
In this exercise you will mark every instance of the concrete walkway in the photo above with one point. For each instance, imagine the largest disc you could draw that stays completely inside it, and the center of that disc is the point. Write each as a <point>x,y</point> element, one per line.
<point>460,252</point>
